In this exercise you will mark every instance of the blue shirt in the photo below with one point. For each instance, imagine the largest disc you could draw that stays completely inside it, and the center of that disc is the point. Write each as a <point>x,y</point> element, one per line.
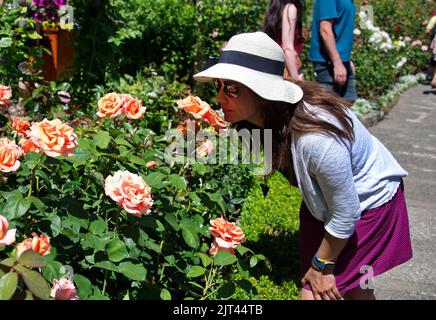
<point>342,14</point>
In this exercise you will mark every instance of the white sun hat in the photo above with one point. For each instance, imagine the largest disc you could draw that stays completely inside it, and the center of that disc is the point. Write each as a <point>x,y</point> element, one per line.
<point>257,61</point>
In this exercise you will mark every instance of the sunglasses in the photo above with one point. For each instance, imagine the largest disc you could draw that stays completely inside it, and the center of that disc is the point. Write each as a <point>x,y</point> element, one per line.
<point>230,88</point>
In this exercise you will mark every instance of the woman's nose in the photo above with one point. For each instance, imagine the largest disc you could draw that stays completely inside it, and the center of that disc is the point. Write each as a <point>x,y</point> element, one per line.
<point>220,96</point>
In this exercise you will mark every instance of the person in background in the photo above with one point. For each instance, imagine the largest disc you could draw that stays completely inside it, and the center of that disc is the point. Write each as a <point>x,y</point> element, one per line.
<point>331,44</point>
<point>430,30</point>
<point>283,23</point>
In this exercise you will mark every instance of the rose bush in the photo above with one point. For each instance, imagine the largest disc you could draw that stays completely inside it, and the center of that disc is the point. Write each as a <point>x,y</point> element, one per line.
<point>101,199</point>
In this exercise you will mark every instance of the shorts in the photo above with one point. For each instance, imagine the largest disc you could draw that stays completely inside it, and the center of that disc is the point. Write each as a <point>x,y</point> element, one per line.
<point>324,75</point>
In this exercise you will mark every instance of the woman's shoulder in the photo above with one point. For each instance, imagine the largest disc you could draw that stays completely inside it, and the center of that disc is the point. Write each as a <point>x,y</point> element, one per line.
<point>290,10</point>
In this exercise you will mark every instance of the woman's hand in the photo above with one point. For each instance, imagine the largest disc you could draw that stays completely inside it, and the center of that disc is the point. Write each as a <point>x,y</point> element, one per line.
<point>323,285</point>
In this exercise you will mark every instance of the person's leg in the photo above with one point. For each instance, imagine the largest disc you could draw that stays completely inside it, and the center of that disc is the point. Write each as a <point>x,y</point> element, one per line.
<point>433,81</point>
<point>359,294</point>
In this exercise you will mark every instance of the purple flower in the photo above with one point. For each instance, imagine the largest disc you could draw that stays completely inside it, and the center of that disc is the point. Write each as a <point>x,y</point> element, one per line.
<point>38,17</point>
<point>64,96</point>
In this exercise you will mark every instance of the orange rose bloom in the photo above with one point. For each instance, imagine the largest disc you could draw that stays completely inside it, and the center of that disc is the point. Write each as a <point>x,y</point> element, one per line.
<point>151,164</point>
<point>110,105</point>
<point>227,235</point>
<point>200,109</point>
<point>39,244</point>
<point>9,155</point>
<point>21,127</point>
<point>129,191</point>
<point>132,107</point>
<point>28,145</point>
<point>54,138</point>
<point>5,94</point>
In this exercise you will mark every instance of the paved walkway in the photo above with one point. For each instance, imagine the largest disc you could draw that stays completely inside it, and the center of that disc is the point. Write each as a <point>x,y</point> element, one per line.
<point>409,132</point>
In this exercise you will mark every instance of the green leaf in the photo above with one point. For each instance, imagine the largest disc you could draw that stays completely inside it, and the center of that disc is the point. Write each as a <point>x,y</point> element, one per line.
<point>116,250</point>
<point>191,238</point>
<point>165,294</point>
<point>34,36</point>
<point>16,206</point>
<point>8,285</point>
<point>52,270</point>
<point>243,270</point>
<point>205,259</point>
<point>137,160</point>
<point>195,271</point>
<point>172,220</point>
<point>223,258</point>
<point>253,261</point>
<point>154,179</point>
<point>264,259</point>
<point>123,142</point>
<point>8,262</point>
<point>35,282</point>
<point>83,285</point>
<point>227,290</point>
<point>102,139</point>
<point>98,226</point>
<point>242,250</point>
<point>55,225</point>
<point>38,203</point>
<point>133,271</point>
<point>31,259</point>
<point>107,265</point>
<point>177,181</point>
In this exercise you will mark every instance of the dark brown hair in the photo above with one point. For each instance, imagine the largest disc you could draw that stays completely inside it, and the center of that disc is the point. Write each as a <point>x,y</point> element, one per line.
<point>284,118</point>
<point>272,24</point>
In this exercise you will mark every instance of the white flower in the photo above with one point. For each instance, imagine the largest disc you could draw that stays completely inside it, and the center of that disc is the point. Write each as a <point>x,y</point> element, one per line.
<point>357,32</point>
<point>400,63</point>
<point>5,42</point>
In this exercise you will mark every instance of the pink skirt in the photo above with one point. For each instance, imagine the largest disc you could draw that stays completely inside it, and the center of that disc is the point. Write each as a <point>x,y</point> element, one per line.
<point>381,240</point>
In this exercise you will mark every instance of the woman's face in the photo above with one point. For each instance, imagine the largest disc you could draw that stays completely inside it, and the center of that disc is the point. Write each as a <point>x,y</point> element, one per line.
<point>240,103</point>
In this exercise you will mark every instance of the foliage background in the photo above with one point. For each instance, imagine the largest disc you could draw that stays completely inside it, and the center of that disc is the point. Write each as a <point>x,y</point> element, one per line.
<point>151,49</point>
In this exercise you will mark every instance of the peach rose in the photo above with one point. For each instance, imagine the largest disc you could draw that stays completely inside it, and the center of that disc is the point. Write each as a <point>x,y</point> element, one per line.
<point>129,191</point>
<point>9,155</point>
<point>28,145</point>
<point>110,105</point>
<point>214,119</point>
<point>39,244</point>
<point>200,109</point>
<point>63,289</point>
<point>227,235</point>
<point>206,147</point>
<point>151,164</point>
<point>24,246</point>
<point>215,248</point>
<point>5,94</point>
<point>6,236</point>
<point>21,127</point>
<point>54,138</point>
<point>195,106</point>
<point>132,107</point>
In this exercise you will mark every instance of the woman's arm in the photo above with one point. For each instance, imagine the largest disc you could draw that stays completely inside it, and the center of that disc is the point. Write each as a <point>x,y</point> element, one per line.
<point>289,21</point>
<point>331,247</point>
<point>329,41</point>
